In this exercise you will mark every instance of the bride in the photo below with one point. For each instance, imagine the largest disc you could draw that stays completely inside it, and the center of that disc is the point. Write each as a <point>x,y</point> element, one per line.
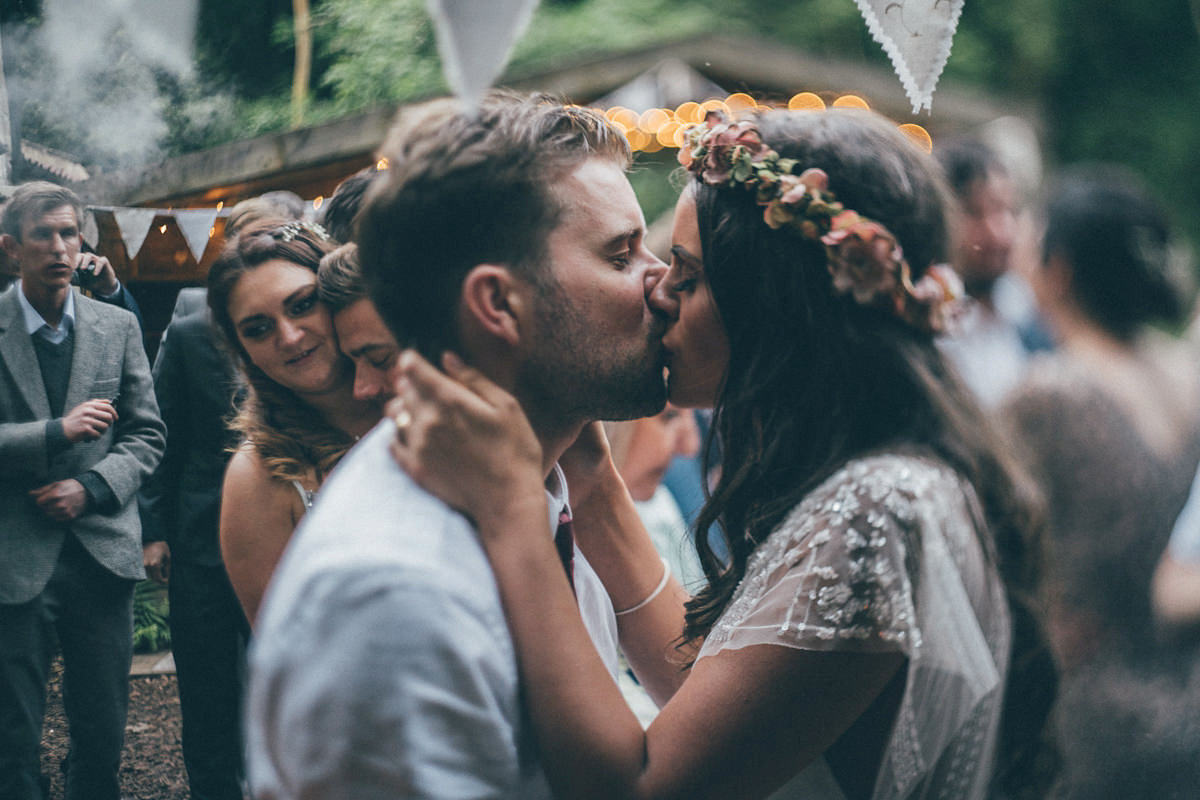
<point>856,641</point>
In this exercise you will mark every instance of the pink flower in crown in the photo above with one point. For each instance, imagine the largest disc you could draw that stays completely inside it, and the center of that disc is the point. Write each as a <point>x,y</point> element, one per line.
<point>797,196</point>
<point>863,257</point>
<point>936,299</point>
<point>728,150</point>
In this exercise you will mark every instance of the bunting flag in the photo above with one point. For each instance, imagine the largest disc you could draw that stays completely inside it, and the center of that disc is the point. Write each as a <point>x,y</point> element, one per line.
<point>196,225</point>
<point>475,38</point>
<point>134,224</point>
<point>90,230</point>
<point>916,34</point>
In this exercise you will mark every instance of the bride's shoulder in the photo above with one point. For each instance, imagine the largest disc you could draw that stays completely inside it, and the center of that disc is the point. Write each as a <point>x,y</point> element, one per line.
<point>886,479</point>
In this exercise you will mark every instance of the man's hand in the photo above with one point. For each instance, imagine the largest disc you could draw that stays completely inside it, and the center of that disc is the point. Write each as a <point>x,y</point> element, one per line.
<point>97,274</point>
<point>89,420</point>
<point>61,501</point>
<point>156,558</point>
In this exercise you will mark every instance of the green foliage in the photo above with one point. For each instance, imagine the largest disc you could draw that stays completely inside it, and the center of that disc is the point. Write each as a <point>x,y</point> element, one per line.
<point>1116,83</point>
<point>1123,88</point>
<point>150,611</point>
<point>573,30</point>
<point>379,51</point>
<point>237,48</point>
<point>653,179</point>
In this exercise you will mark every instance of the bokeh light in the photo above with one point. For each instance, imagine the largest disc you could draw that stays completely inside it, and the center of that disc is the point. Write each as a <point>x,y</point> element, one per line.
<point>918,135</point>
<point>850,101</point>
<point>806,101</point>
<point>666,134</point>
<point>690,112</point>
<point>650,121</point>
<point>659,128</point>
<point>740,101</point>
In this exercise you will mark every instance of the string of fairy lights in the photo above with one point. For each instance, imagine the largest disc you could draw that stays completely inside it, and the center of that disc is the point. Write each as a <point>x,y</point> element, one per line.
<point>659,128</point>
<point>662,128</point>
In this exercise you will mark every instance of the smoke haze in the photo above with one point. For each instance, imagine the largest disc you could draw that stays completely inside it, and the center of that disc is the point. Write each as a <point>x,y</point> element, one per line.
<point>89,74</point>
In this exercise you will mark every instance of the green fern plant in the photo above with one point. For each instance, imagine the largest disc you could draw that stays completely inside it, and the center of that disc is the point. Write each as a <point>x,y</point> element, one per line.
<point>150,613</point>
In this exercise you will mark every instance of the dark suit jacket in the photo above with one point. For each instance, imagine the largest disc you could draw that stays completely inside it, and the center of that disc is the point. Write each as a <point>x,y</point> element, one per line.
<point>108,361</point>
<point>195,384</point>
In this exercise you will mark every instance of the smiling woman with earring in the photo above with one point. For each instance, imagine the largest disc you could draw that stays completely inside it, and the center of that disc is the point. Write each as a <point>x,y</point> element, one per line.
<point>299,415</point>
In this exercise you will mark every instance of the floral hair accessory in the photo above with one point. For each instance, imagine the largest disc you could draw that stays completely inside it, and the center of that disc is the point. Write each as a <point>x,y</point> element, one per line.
<point>863,257</point>
<point>289,230</point>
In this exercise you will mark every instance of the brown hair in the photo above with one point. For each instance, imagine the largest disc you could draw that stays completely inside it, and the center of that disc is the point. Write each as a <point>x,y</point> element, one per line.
<point>32,200</point>
<point>290,438</point>
<point>468,188</point>
<point>340,279</point>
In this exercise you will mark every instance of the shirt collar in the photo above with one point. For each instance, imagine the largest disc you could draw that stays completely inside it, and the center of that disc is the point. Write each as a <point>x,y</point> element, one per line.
<point>557,500</point>
<point>34,321</point>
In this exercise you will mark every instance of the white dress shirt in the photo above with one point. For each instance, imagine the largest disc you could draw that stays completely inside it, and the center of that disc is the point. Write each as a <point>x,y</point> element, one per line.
<point>382,666</point>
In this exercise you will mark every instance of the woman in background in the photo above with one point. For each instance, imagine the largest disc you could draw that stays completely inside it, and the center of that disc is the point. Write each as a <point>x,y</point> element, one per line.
<point>299,416</point>
<point>642,451</point>
<point>1110,425</point>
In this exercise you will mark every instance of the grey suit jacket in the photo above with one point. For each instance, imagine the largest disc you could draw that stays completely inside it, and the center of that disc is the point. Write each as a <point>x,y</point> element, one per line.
<point>108,362</point>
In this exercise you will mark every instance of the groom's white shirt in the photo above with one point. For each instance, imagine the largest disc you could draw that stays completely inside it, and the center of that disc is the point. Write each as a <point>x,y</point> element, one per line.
<point>382,666</point>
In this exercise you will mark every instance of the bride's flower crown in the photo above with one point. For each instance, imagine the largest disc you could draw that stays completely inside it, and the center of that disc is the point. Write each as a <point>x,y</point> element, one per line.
<point>863,257</point>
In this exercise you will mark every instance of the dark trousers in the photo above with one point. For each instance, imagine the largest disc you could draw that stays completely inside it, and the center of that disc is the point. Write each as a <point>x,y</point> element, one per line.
<point>208,639</point>
<point>87,612</point>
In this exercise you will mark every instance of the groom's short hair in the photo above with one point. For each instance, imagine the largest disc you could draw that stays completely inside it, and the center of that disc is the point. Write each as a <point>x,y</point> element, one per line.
<point>468,187</point>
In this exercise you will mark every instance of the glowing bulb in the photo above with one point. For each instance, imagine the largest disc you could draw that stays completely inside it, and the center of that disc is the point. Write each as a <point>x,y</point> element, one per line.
<point>850,101</point>
<point>918,135</point>
<point>667,134</point>
<point>689,113</point>
<point>680,138</point>
<point>740,101</point>
<point>638,139</point>
<point>714,105</point>
<point>623,117</point>
<point>162,228</point>
<point>806,101</point>
<point>381,165</point>
<point>651,121</point>
<point>318,202</point>
<point>220,205</point>
<point>213,230</point>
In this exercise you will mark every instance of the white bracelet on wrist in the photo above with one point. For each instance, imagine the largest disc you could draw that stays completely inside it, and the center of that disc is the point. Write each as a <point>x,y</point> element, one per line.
<point>657,591</point>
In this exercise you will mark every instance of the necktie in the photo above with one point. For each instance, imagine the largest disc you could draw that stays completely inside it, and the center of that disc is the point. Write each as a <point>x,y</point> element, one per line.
<point>564,542</point>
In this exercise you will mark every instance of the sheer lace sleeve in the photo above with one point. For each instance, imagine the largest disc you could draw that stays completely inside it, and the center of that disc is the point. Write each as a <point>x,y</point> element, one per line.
<point>839,573</point>
<point>891,554</point>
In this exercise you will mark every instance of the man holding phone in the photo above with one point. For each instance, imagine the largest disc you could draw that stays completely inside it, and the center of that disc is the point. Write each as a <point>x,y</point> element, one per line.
<point>79,432</point>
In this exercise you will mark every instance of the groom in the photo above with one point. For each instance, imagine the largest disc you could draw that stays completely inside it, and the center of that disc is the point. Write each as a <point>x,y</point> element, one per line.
<point>383,666</point>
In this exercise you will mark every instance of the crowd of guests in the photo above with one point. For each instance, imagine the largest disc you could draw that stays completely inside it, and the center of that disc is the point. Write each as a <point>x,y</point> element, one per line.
<point>950,518</point>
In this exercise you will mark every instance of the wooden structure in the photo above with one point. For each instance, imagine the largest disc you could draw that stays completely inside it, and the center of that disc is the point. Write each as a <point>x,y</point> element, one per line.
<point>312,161</point>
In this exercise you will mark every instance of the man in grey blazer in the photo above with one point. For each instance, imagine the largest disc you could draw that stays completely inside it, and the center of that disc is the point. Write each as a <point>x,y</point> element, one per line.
<point>79,432</point>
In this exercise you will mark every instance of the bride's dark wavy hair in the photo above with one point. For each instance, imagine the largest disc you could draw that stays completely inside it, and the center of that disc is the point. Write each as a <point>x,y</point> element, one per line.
<point>815,379</point>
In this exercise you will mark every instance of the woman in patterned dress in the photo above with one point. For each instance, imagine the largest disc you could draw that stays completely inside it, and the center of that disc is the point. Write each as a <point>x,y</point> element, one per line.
<point>857,641</point>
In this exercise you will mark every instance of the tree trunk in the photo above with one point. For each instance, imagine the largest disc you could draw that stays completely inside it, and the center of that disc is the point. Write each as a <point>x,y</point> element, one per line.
<point>303,67</point>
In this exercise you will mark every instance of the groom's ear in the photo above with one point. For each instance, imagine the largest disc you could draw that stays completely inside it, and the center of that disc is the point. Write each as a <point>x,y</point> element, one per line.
<point>494,303</point>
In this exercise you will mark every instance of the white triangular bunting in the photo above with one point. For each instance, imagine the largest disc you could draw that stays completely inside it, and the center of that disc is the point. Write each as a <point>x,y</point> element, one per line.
<point>90,230</point>
<point>475,38</point>
<point>916,34</point>
<point>195,224</point>
<point>134,224</point>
